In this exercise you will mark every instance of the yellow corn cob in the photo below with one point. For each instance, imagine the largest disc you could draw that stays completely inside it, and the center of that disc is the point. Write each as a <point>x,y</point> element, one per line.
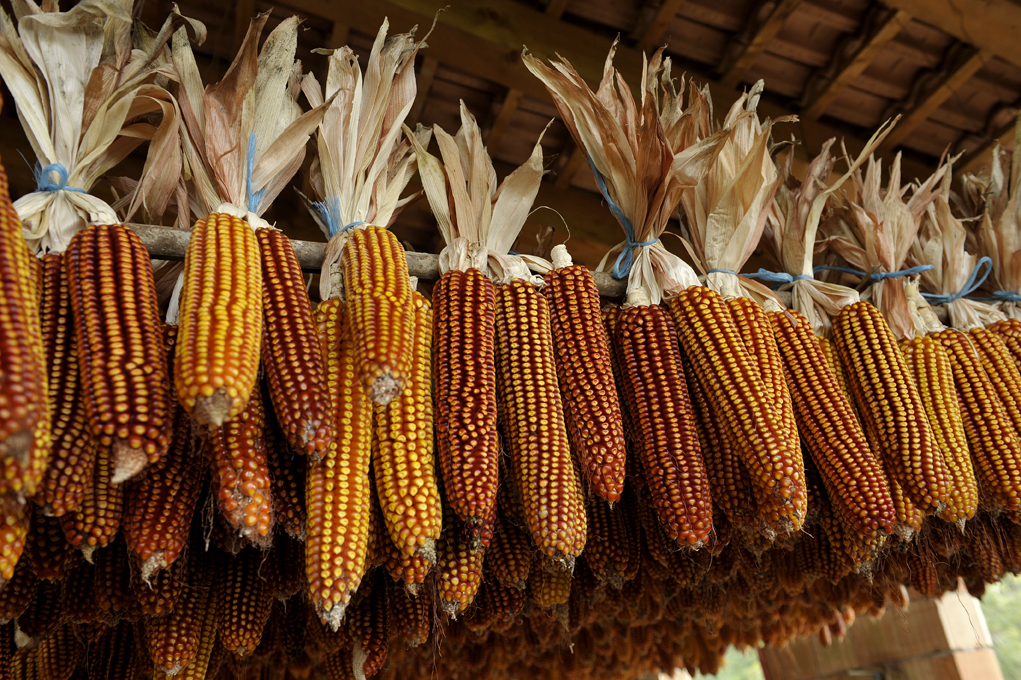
<point>994,443</point>
<point>727,372</point>
<point>833,359</point>
<point>585,376</point>
<point>890,405</point>
<point>291,357</point>
<point>95,522</point>
<point>412,616</point>
<point>14,524</point>
<point>756,329</point>
<point>286,475</point>
<point>1002,371</point>
<point>338,490</point>
<point>24,412</point>
<point>220,333</point>
<point>459,567</point>
<point>245,604</point>
<point>73,450</point>
<point>405,467</point>
<point>464,306</point>
<point>174,639</point>
<point>378,294</point>
<point>242,473</point>
<point>1009,331</point>
<point>369,628</point>
<point>549,587</point>
<point>508,557</point>
<point>932,370</point>
<point>831,431</point>
<point>532,417</point>
<point>123,362</point>
<point>666,435</point>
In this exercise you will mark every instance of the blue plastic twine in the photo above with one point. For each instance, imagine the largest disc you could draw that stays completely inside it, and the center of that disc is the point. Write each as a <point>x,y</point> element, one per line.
<point>874,276</point>
<point>626,259</point>
<point>779,278</point>
<point>969,287</point>
<point>329,211</point>
<point>254,197</point>
<point>1002,296</point>
<point>42,178</point>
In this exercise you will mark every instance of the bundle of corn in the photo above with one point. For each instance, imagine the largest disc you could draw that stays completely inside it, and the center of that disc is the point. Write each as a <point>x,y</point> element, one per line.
<point>873,234</point>
<point>854,480</point>
<point>642,171</point>
<point>480,222</point>
<point>986,378</point>
<point>726,215</point>
<point>244,138</point>
<point>363,165</point>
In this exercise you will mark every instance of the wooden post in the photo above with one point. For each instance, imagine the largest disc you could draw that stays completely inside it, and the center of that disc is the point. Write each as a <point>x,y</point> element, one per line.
<point>935,639</point>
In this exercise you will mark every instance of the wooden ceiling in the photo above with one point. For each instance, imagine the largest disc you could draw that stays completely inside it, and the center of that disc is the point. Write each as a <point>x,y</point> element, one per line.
<point>952,69</point>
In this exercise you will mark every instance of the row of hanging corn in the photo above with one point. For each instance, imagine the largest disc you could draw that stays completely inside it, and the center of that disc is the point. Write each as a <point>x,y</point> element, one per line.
<point>250,486</point>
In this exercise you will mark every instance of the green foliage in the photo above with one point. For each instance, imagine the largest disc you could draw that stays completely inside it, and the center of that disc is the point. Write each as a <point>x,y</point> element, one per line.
<point>1001,605</point>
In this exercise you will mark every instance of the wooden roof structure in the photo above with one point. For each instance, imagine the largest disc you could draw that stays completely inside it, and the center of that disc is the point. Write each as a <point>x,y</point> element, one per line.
<point>952,70</point>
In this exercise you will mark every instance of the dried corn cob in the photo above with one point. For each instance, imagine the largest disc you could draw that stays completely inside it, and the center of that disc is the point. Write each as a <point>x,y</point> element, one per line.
<point>291,357</point>
<point>112,657</point>
<point>159,595</point>
<point>43,614</point>
<point>994,443</point>
<point>47,550</point>
<point>14,524</point>
<point>411,570</point>
<point>549,587</point>
<point>458,566</point>
<point>24,413</point>
<point>286,476</point>
<point>607,550</point>
<point>831,431</point>
<point>508,557</point>
<point>930,365</point>
<point>95,522</point>
<point>369,627</point>
<point>585,376</point>
<point>7,648</point>
<point>78,595</point>
<point>665,433</point>
<point>73,451</point>
<point>378,293</point>
<point>220,320</point>
<point>1001,369</point>
<point>505,603</point>
<point>833,359</point>
<point>245,603</point>
<point>464,307</point>
<point>338,489</point>
<point>58,655</point>
<point>120,348</point>
<point>17,593</point>
<point>113,581</point>
<point>890,405</point>
<point>1010,331</point>
<point>412,616</point>
<point>338,665</point>
<point>405,470</point>
<point>242,473</point>
<point>174,639</point>
<point>532,422</point>
<point>756,329</point>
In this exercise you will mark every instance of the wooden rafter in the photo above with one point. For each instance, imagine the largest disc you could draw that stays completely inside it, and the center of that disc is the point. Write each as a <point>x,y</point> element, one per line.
<point>948,81</point>
<point>424,78</point>
<point>980,157</point>
<point>992,25</point>
<point>884,29</point>
<point>737,64</point>
<point>572,164</point>
<point>653,33</point>
<point>503,120</point>
<point>244,10</point>
<point>338,36</point>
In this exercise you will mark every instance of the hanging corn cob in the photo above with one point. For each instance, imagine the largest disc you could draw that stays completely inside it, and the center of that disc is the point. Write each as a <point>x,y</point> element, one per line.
<point>234,152</point>
<point>668,445</point>
<point>98,519</point>
<point>363,165</point>
<point>337,491</point>
<point>14,523</point>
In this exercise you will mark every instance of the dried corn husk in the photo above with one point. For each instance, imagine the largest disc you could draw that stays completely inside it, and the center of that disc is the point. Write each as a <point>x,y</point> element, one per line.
<point>479,220</point>
<point>645,152</point>
<point>79,81</point>
<point>364,162</point>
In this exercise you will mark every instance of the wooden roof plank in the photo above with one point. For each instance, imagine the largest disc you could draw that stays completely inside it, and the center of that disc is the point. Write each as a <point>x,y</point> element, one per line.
<point>654,32</point>
<point>425,76</point>
<point>503,120</point>
<point>993,25</point>
<point>934,99</point>
<point>885,31</point>
<point>735,67</point>
<point>980,157</point>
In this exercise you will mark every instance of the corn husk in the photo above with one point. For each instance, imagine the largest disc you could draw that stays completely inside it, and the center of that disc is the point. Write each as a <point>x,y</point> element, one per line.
<point>80,78</point>
<point>478,218</point>
<point>647,152</point>
<point>941,243</point>
<point>874,233</point>
<point>364,162</point>
<point>997,197</point>
<point>793,222</point>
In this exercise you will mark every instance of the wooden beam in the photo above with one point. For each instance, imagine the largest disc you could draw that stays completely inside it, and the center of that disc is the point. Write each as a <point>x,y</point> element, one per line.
<point>338,36</point>
<point>573,163</point>
<point>993,25</point>
<point>737,64</point>
<point>503,120</point>
<point>948,83</point>
<point>653,33</point>
<point>885,30</point>
<point>556,8</point>
<point>980,157</point>
<point>243,13</point>
<point>424,80</point>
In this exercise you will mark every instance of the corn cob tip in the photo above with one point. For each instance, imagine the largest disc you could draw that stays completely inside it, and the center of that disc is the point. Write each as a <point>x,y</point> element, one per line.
<point>152,565</point>
<point>128,462</point>
<point>333,616</point>
<point>385,389</point>
<point>428,550</point>
<point>212,411</point>
<point>88,552</point>
<point>412,589</point>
